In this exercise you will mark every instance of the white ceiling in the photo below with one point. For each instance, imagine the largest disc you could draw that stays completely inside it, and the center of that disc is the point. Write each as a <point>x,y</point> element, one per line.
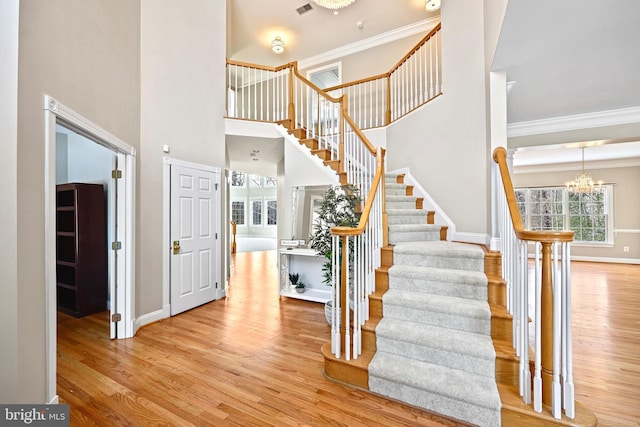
<point>254,24</point>
<point>565,58</point>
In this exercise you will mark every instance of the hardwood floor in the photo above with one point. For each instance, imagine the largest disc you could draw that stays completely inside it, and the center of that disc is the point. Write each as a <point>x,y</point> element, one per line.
<point>254,359</point>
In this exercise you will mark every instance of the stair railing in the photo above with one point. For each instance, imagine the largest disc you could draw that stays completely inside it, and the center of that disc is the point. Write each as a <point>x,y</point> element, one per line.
<point>415,80</point>
<point>553,373</point>
<point>281,94</point>
<point>356,250</point>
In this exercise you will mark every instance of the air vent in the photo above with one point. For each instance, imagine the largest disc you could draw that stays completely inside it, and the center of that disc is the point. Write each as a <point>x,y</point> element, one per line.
<point>304,9</point>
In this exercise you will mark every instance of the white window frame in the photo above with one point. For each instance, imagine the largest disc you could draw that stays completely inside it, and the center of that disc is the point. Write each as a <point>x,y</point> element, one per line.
<point>251,209</point>
<point>244,183</point>
<point>253,178</point>
<point>608,208</point>
<point>270,182</point>
<point>265,206</point>
<point>244,202</point>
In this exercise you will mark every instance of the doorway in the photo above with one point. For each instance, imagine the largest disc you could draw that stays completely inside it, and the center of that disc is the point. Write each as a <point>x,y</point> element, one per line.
<point>61,119</point>
<point>192,235</point>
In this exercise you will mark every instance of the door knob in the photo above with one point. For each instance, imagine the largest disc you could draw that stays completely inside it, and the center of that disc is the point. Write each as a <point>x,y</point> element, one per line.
<point>176,247</point>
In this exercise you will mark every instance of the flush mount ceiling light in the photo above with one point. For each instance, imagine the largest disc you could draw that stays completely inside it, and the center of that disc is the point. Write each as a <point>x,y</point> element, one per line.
<point>277,45</point>
<point>334,4</point>
<point>432,5</point>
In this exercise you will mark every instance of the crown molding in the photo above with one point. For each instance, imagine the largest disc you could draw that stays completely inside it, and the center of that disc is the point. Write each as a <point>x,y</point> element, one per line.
<point>578,121</point>
<point>577,166</point>
<point>423,26</point>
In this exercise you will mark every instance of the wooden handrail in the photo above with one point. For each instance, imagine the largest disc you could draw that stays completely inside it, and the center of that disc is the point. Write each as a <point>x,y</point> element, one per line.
<point>314,87</point>
<point>364,218</point>
<point>261,67</point>
<point>358,132</point>
<point>395,67</point>
<point>357,82</point>
<point>500,157</point>
<point>415,48</point>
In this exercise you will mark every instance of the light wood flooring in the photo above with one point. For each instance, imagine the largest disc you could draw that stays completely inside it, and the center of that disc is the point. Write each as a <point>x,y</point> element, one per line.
<point>253,359</point>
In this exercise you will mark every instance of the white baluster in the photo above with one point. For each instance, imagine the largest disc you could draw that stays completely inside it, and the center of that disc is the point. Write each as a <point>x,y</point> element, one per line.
<point>556,391</point>
<point>567,380</point>
<point>537,381</point>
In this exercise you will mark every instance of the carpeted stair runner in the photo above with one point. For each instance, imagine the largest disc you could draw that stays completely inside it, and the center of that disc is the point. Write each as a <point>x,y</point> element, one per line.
<point>434,347</point>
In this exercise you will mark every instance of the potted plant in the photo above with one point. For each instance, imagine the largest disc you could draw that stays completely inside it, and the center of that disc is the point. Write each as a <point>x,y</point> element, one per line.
<point>337,208</point>
<point>295,282</point>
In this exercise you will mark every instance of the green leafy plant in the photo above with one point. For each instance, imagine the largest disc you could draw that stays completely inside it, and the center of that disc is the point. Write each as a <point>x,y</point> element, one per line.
<point>294,279</point>
<point>337,208</point>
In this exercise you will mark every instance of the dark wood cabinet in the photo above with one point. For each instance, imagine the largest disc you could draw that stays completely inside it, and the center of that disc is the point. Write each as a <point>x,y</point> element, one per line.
<point>81,248</point>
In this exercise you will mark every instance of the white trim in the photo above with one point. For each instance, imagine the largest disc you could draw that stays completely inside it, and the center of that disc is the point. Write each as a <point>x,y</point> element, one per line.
<point>605,259</point>
<point>423,26</point>
<point>167,162</point>
<point>77,121</point>
<point>578,121</point>
<point>577,166</point>
<point>495,244</point>
<point>190,165</point>
<point>627,230</point>
<point>154,316</point>
<point>476,238</point>
<point>441,217</point>
<point>54,401</point>
<point>54,112</point>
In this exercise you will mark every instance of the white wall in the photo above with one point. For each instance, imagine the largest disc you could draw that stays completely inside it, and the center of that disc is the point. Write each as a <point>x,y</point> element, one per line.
<point>86,55</point>
<point>445,143</point>
<point>9,275</point>
<point>182,70</point>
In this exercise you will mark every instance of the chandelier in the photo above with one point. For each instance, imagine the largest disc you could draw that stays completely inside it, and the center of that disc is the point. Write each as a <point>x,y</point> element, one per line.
<point>583,183</point>
<point>334,4</point>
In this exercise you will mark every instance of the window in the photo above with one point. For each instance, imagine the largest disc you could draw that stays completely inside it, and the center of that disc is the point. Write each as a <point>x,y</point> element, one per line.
<point>256,212</point>
<point>270,182</point>
<point>255,181</point>
<point>556,208</point>
<point>272,212</point>
<point>238,212</point>
<point>237,179</point>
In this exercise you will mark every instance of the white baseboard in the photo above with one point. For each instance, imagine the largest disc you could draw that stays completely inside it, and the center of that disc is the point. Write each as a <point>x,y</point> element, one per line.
<point>605,259</point>
<point>154,316</point>
<point>476,238</point>
<point>54,401</point>
<point>495,244</point>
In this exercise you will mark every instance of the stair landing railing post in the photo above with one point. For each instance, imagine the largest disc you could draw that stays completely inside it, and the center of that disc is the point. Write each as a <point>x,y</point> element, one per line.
<point>547,324</point>
<point>291,109</point>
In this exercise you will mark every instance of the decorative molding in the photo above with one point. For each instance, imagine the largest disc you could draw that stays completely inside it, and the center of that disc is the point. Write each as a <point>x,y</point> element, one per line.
<point>578,121</point>
<point>84,126</point>
<point>191,165</point>
<point>154,316</point>
<point>423,26</point>
<point>577,166</point>
<point>627,230</point>
<point>605,259</point>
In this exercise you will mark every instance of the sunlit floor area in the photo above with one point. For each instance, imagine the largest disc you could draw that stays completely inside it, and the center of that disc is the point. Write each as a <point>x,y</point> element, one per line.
<point>253,359</point>
<point>255,244</point>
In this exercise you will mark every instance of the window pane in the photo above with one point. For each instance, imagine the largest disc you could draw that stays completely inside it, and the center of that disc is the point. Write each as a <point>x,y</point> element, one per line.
<point>270,182</point>
<point>256,212</point>
<point>272,212</point>
<point>237,212</point>
<point>256,181</point>
<point>237,179</point>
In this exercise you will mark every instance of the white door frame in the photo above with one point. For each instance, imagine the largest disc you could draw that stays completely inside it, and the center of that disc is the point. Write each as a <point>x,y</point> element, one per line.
<point>57,112</point>
<point>166,231</point>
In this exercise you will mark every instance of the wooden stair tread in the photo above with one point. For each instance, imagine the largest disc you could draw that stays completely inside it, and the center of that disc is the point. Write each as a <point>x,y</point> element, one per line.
<point>517,413</point>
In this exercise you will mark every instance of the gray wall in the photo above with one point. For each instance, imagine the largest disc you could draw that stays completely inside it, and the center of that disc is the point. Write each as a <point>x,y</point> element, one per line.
<point>86,55</point>
<point>182,67</point>
<point>626,211</point>
<point>451,132</point>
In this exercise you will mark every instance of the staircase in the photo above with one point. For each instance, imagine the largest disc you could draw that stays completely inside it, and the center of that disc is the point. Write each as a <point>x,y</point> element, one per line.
<point>439,336</point>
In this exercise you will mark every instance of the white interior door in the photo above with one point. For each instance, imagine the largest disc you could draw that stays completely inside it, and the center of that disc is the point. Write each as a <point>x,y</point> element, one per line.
<point>194,233</point>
